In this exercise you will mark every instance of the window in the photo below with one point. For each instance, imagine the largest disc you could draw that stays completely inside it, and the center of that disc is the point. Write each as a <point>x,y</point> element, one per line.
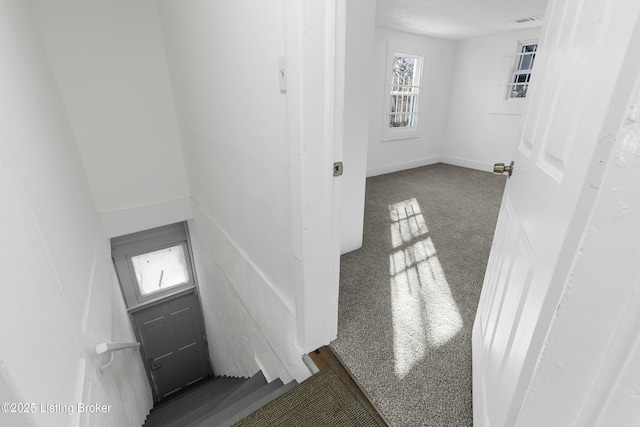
<point>521,72</point>
<point>159,270</point>
<point>153,264</point>
<point>403,77</point>
<point>405,80</point>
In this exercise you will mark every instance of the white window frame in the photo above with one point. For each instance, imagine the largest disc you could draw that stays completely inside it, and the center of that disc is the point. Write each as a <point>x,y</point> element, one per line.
<point>398,133</point>
<point>514,69</point>
<point>126,247</point>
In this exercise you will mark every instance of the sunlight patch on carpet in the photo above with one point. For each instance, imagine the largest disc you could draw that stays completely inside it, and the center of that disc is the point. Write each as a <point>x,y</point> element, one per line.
<point>407,222</point>
<point>424,312</point>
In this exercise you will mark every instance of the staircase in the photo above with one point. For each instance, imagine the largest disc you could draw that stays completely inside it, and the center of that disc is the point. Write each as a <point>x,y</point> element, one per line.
<point>219,402</point>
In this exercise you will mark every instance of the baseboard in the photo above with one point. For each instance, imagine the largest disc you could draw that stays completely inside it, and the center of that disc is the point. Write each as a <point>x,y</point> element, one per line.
<point>395,167</point>
<point>310,364</point>
<point>350,248</point>
<point>467,163</point>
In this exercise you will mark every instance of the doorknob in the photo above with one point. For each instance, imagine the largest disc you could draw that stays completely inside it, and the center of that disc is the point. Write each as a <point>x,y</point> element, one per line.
<point>500,168</point>
<point>152,365</point>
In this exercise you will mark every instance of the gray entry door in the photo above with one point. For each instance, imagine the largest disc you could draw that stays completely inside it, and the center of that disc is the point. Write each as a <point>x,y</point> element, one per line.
<point>173,346</point>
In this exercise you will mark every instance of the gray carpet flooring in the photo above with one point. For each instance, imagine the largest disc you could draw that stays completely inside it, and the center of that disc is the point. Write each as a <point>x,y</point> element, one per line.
<point>408,297</point>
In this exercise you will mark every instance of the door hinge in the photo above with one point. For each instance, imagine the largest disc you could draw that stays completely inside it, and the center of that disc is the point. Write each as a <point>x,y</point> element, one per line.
<point>337,169</point>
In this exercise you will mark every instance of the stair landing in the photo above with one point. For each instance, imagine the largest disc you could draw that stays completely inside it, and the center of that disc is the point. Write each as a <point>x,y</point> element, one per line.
<point>324,357</point>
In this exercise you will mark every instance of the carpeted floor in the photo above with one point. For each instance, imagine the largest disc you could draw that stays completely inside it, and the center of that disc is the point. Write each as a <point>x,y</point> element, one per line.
<point>408,297</point>
<point>323,400</point>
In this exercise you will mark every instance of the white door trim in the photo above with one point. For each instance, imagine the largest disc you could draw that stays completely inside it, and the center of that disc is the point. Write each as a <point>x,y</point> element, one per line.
<point>315,43</point>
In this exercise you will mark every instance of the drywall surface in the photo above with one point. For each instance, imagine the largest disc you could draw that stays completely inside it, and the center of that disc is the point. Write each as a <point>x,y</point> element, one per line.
<point>458,19</point>
<point>482,125</point>
<point>58,297</point>
<point>124,384</point>
<point>223,60</point>
<point>9,393</point>
<point>129,221</point>
<point>589,370</point>
<point>109,60</point>
<point>359,51</point>
<point>438,68</point>
<point>233,120</point>
<point>240,345</point>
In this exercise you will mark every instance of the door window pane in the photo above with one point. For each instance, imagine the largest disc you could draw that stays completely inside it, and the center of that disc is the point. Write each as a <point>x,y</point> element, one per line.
<point>160,270</point>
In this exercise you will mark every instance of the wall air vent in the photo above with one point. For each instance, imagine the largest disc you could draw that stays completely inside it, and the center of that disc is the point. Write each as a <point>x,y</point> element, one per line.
<point>528,19</point>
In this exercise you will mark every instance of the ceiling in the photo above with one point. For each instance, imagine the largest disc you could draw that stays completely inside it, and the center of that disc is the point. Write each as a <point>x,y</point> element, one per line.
<point>458,19</point>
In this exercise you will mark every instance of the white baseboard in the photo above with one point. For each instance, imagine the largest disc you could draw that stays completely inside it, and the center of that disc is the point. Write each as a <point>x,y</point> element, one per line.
<point>466,163</point>
<point>313,368</point>
<point>127,221</point>
<point>395,167</point>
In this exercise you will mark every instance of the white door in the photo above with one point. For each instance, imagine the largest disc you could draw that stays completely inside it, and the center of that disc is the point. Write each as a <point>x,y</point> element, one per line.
<point>585,69</point>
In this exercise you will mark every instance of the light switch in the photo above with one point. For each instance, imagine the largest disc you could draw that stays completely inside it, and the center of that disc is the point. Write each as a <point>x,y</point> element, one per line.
<point>282,73</point>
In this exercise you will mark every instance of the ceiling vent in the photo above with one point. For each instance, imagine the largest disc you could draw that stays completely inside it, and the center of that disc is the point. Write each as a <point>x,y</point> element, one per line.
<point>528,19</point>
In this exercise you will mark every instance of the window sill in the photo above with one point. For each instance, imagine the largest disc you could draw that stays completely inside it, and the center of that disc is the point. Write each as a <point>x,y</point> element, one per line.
<point>398,134</point>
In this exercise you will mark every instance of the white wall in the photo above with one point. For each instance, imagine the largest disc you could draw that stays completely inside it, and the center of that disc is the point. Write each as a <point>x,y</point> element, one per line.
<point>109,60</point>
<point>237,345</point>
<point>465,119</point>
<point>483,127</point>
<point>439,54</point>
<point>359,50</point>
<point>60,296</point>
<point>233,121</point>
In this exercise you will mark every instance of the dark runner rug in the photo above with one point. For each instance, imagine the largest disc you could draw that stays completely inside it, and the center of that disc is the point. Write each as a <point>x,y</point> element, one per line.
<point>321,400</point>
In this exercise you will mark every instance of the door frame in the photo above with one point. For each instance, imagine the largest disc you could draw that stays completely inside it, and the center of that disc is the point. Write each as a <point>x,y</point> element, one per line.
<point>315,42</point>
<point>167,234</point>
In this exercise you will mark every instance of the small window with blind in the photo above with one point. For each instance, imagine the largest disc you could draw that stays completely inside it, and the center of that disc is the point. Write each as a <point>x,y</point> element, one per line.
<point>518,84</point>
<point>403,90</point>
<point>153,264</point>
